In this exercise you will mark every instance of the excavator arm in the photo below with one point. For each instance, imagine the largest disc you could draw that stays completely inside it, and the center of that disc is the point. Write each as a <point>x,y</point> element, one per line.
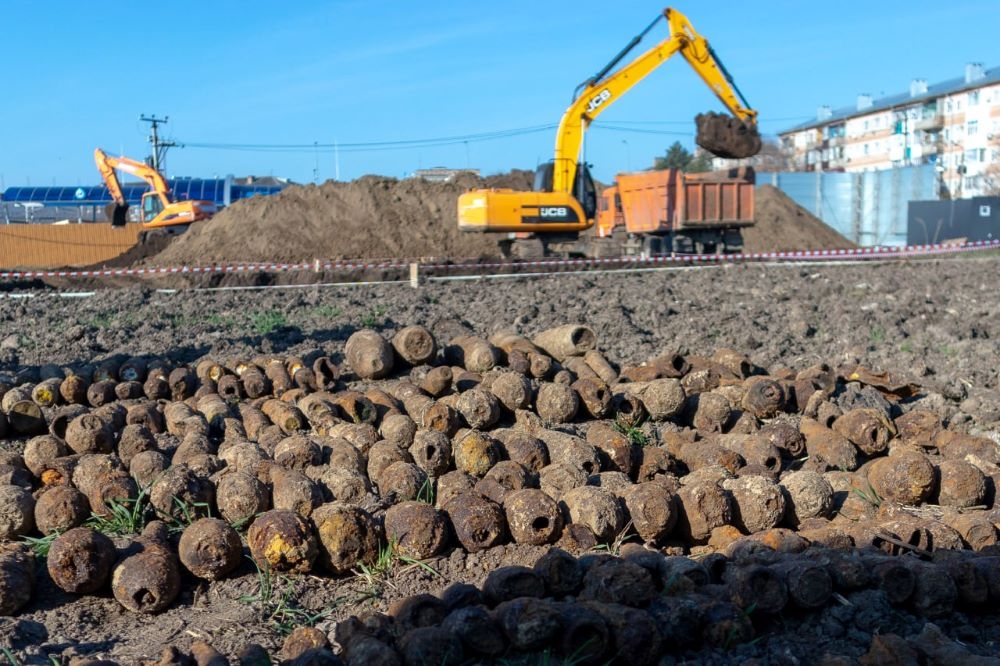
<point>606,87</point>
<point>564,200</point>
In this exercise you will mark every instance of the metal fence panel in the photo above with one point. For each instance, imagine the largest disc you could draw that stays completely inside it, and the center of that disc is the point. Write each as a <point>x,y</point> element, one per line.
<point>868,208</point>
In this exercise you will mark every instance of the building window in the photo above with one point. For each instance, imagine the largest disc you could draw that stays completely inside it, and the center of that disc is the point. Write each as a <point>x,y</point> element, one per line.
<point>974,98</point>
<point>949,106</point>
<point>865,149</point>
<point>972,128</point>
<point>972,155</point>
<point>982,155</point>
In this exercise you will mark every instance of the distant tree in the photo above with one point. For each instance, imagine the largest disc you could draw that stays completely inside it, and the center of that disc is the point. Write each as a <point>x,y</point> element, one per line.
<point>677,157</point>
<point>701,163</point>
<point>991,176</point>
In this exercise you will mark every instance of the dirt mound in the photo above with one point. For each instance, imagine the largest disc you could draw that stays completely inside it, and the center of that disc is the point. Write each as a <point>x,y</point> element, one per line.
<point>784,226</point>
<point>369,218</point>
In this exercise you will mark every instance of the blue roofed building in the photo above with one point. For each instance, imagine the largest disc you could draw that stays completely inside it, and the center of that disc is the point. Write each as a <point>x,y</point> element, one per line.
<point>953,125</point>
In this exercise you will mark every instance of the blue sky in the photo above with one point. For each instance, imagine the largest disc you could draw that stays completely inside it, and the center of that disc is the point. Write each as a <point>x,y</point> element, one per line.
<point>77,75</point>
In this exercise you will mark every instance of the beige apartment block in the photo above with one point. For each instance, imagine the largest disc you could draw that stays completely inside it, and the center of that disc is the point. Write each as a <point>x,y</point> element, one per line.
<point>954,125</point>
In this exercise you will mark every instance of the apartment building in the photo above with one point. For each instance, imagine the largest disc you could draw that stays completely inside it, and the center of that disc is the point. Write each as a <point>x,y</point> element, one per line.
<point>954,125</point>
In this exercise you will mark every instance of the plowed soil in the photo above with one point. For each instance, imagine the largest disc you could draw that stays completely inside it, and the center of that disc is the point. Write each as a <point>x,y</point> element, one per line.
<point>934,322</point>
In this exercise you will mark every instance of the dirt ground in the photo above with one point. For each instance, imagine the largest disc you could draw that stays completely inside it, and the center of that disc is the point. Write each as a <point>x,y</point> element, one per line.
<point>932,321</point>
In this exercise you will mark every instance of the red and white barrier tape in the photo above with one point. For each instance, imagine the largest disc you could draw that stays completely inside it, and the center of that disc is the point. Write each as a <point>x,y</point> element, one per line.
<point>659,260</point>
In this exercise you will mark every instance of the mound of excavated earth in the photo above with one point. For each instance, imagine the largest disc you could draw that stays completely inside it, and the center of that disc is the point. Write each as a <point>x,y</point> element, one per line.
<point>384,218</point>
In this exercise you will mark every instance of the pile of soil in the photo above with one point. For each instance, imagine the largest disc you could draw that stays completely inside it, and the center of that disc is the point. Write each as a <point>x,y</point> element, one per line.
<point>379,218</point>
<point>784,226</point>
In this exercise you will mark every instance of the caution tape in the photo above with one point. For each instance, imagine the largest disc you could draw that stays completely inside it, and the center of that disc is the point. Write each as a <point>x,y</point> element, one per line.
<point>864,253</point>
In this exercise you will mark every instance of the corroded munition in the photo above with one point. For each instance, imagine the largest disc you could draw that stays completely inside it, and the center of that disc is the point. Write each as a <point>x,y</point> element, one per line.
<point>907,478</point>
<point>149,580</point>
<point>868,429</point>
<point>703,507</point>
<point>347,536</point>
<point>477,522</point>
<point>472,353</point>
<point>556,403</point>
<point>17,512</point>
<point>533,517</point>
<point>369,355</point>
<point>652,509</point>
<point>476,452</point>
<point>417,529</point>
<point>80,560</point>
<point>60,508</point>
<point>569,340</point>
<point>210,548</point>
<point>759,503</point>
<point>415,345</point>
<point>597,508</point>
<point>240,496</point>
<point>283,541</point>
<point>17,577</point>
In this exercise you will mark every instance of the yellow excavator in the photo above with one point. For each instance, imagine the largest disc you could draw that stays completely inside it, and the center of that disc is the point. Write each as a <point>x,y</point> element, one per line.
<point>564,201</point>
<point>159,209</point>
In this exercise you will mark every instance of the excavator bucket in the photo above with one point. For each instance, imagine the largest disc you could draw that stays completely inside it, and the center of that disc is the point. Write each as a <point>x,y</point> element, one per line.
<point>725,136</point>
<point>117,214</point>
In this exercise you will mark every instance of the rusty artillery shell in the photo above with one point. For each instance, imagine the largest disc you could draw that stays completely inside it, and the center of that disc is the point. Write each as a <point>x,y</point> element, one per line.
<point>977,531</point>
<point>417,530</point>
<point>934,591</point>
<point>301,642</point>
<point>866,428</point>
<point>509,342</point>
<point>60,508</point>
<point>430,645</point>
<point>277,376</point>
<point>404,479</point>
<point>463,380</point>
<point>294,491</point>
<point>210,549</point>
<point>286,416</point>
<point>529,624</point>
<point>809,495</point>
<point>416,611</point>
<point>565,341</point>
<point>635,638</point>
<point>906,478</point>
<point>556,403</point>
<point>479,408</point>
<point>476,629</point>
<point>785,436</point>
<point>60,418</point>
<point>414,345</point>
<point>758,503</point>
<point>560,571</point>
<point>762,396</point>
<point>597,508</point>
<point>26,418</point>
<point>297,452</point>
<point>512,582</point>
<point>240,496</point>
<point>526,449</point>
<point>128,390</point>
<point>594,395</point>
<point>355,407</point>
<point>703,454</point>
<point>810,585</point>
<point>754,450</point>
<point>179,493</point>
<point>828,447</point>
<point>80,560</point>
<point>157,385</point>
<point>326,373</point>
<point>559,478</point>
<point>148,415</point>
<point>182,382</point>
<point>654,462</point>
<point>618,581</point>
<point>476,522</point>
<point>193,445</point>
<point>398,429</point>
<point>712,411</point>
<point>452,484</point>
<point>14,394</point>
<point>148,581</point>
<point>40,450</point>
<point>101,393</point>
<point>652,509</point>
<point>73,389</point>
<point>601,367</point>
<point>960,484</point>
<point>509,476</point>
<point>540,365</point>
<point>146,466</point>
<point>759,586</point>
<point>476,452</point>
<point>17,577</point>
<point>970,580</point>
<point>282,540</point>
<point>703,507</point>
<point>46,392</point>
<point>369,355</point>
<point>88,433</point>
<point>431,451</point>
<point>533,517</point>
<point>254,382</point>
<point>512,389</point>
<point>17,512</point>
<point>437,381</point>
<point>472,353</point>
<point>177,417</point>
<point>383,454</point>
<point>347,535</point>
<point>578,366</point>
<point>662,399</point>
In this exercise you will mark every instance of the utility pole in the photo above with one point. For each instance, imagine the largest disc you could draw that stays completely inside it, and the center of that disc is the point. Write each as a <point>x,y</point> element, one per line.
<point>159,147</point>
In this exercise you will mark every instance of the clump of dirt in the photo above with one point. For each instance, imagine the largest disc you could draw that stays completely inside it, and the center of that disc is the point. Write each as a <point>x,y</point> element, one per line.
<point>784,226</point>
<point>372,217</point>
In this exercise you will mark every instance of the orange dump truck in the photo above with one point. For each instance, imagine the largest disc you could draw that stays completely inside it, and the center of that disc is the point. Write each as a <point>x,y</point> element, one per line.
<point>659,212</point>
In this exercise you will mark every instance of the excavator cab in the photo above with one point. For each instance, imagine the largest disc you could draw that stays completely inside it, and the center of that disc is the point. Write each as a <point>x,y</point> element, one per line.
<point>151,206</point>
<point>583,187</point>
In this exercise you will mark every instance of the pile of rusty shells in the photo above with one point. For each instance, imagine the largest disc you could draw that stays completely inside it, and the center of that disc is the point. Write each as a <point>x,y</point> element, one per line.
<point>478,443</point>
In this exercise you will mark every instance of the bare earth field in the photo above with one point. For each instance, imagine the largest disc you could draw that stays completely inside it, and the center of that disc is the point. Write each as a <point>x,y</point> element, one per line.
<point>935,323</point>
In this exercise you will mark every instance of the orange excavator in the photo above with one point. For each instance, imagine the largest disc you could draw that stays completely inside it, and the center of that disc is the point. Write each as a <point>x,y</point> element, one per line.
<point>159,209</point>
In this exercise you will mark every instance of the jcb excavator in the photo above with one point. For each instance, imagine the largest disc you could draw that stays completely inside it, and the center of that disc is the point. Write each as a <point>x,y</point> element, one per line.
<point>159,210</point>
<point>564,201</point>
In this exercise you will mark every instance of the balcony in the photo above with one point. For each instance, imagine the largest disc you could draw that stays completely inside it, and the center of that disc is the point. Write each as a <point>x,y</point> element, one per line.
<point>929,122</point>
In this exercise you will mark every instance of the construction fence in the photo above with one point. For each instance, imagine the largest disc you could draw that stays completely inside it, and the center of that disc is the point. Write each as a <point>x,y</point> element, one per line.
<point>868,208</point>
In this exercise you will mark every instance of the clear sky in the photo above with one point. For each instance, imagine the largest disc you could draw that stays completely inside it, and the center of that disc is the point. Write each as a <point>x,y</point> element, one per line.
<point>369,76</point>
